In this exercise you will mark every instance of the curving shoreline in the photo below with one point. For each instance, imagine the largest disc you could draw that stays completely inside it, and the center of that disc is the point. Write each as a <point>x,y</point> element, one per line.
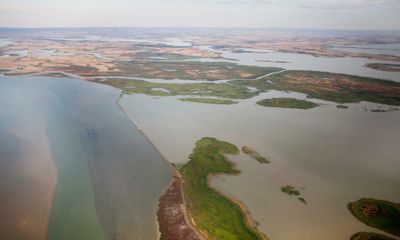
<point>218,216</point>
<point>175,221</point>
<point>249,220</point>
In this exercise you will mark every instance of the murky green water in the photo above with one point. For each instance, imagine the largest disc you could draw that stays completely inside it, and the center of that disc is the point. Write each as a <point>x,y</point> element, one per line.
<point>109,176</point>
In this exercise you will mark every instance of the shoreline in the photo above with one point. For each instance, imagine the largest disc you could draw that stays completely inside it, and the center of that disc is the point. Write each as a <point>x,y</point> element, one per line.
<point>172,214</point>
<point>188,220</point>
<point>246,212</point>
<point>174,175</point>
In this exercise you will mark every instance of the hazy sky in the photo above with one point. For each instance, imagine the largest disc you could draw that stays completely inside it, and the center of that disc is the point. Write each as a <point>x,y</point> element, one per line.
<point>332,14</point>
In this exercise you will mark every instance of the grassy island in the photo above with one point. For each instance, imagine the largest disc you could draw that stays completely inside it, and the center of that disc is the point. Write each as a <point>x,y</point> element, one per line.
<point>370,236</point>
<point>287,103</point>
<point>290,190</point>
<point>215,215</point>
<point>379,214</point>
<point>254,154</point>
<point>208,100</point>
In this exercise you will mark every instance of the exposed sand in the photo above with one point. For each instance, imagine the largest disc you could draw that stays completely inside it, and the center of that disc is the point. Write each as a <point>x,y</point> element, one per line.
<point>172,214</point>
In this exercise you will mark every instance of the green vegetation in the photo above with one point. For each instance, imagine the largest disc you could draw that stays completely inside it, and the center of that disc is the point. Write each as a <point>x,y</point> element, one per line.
<point>370,236</point>
<point>301,199</point>
<point>287,103</point>
<point>191,70</point>
<point>254,154</point>
<point>339,88</point>
<point>379,214</point>
<point>208,100</point>
<point>213,213</point>
<point>333,87</point>
<point>174,89</point>
<point>292,191</point>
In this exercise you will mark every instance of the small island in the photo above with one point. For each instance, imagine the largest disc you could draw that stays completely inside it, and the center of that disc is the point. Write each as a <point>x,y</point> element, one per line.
<point>292,191</point>
<point>208,100</point>
<point>254,154</point>
<point>370,236</point>
<point>287,103</point>
<point>216,216</point>
<point>379,214</point>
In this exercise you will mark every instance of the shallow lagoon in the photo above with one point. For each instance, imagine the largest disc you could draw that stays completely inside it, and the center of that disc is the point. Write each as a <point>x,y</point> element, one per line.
<point>109,176</point>
<point>332,155</point>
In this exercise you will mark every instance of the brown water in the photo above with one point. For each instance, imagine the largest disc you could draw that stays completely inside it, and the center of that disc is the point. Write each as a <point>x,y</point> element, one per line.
<point>71,132</point>
<point>28,175</point>
<point>333,156</point>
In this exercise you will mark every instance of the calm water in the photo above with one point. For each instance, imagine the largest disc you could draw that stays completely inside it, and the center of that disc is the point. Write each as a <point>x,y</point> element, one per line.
<point>28,175</point>
<point>293,61</point>
<point>333,156</point>
<point>109,176</point>
<point>390,48</point>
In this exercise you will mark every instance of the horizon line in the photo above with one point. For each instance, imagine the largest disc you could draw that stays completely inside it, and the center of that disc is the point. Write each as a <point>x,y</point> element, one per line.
<point>199,27</point>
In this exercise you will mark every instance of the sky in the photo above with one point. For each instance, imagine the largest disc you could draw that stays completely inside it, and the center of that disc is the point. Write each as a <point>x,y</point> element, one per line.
<point>309,14</point>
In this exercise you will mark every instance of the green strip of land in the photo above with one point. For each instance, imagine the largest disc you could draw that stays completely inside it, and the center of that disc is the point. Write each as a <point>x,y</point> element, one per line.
<point>379,214</point>
<point>208,100</point>
<point>213,213</point>
<point>174,89</point>
<point>287,103</point>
